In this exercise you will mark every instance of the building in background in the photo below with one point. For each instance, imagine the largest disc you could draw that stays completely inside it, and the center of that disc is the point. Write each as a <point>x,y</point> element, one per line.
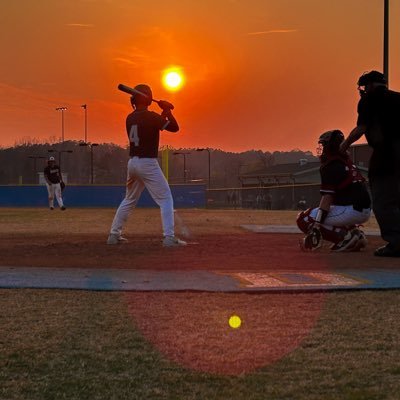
<point>284,186</point>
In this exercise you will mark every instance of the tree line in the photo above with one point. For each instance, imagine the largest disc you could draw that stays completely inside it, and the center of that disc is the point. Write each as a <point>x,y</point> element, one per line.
<point>22,163</point>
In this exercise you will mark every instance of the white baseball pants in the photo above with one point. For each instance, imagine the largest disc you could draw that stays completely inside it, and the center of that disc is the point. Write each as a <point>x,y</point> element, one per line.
<point>343,216</point>
<point>54,190</point>
<point>145,172</point>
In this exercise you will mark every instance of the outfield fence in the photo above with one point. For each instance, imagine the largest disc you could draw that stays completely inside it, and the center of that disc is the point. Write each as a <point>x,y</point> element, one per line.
<point>185,196</point>
<point>283,197</point>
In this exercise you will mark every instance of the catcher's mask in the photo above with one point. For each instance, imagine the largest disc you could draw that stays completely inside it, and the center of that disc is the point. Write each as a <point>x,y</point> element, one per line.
<point>144,99</point>
<point>367,78</point>
<point>329,143</point>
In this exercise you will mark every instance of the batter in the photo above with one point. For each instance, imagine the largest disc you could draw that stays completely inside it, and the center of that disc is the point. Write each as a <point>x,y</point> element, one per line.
<point>143,128</point>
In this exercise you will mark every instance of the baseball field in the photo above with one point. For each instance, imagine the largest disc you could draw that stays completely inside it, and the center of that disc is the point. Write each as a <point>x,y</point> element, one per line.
<point>78,344</point>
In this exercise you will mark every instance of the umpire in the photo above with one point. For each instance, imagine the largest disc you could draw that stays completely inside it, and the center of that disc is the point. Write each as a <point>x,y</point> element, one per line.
<point>379,120</point>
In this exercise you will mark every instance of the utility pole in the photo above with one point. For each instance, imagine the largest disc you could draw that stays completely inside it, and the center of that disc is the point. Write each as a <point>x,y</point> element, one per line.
<point>62,109</point>
<point>84,106</point>
<point>209,165</point>
<point>183,153</point>
<point>90,145</point>
<point>386,40</point>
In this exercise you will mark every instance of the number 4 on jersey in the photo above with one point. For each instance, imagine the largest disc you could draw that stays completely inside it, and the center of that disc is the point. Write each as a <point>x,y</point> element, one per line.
<point>133,135</point>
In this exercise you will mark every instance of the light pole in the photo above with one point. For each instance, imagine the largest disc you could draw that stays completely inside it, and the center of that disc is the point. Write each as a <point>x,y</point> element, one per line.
<point>34,163</point>
<point>183,153</point>
<point>386,40</point>
<point>91,145</point>
<point>84,106</point>
<point>62,109</point>
<point>59,154</point>
<point>209,165</point>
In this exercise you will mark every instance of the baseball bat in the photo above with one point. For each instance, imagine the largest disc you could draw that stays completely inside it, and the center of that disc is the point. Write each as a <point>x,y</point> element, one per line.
<point>132,91</point>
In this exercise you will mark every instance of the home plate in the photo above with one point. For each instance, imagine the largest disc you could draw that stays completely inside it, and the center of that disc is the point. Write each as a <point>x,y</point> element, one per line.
<point>287,279</point>
<point>290,229</point>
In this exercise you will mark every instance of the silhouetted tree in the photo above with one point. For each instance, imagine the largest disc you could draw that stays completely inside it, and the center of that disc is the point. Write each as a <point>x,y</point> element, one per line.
<point>110,161</point>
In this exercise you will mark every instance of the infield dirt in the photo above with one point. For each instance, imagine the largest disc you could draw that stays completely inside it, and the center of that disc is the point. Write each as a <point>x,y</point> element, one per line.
<point>77,238</point>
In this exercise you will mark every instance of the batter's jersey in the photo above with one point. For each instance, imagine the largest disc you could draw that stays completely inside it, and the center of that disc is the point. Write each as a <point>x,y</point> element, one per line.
<point>143,128</point>
<point>341,179</point>
<point>53,174</point>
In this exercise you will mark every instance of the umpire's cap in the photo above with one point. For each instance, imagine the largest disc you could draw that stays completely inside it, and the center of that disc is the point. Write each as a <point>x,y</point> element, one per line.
<point>371,77</point>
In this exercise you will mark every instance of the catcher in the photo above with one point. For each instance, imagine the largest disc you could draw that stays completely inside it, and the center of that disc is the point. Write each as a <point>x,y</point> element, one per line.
<point>345,202</point>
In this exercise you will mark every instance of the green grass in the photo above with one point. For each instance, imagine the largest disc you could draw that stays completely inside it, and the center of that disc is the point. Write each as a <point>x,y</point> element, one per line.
<point>84,345</point>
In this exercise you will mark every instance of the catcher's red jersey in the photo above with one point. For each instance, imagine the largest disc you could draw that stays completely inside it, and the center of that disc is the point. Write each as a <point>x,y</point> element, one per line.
<point>341,178</point>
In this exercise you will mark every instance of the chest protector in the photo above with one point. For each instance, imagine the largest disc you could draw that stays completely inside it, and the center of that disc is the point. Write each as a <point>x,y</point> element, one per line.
<point>353,175</point>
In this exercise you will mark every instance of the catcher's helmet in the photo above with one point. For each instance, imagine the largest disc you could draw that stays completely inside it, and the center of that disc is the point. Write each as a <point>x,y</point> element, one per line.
<point>145,98</point>
<point>371,77</point>
<point>330,141</point>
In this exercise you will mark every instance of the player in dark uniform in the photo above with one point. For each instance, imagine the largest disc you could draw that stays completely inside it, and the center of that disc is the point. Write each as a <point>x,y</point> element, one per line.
<point>143,128</point>
<point>379,120</point>
<point>345,202</point>
<point>53,177</point>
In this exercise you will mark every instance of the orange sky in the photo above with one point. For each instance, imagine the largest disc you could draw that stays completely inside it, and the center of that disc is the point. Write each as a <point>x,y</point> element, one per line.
<point>260,74</point>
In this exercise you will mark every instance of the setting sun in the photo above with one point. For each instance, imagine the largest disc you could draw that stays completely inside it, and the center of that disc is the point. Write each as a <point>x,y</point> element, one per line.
<point>173,79</point>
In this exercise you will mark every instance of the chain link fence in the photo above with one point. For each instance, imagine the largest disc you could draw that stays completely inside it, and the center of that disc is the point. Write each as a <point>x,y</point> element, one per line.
<point>285,197</point>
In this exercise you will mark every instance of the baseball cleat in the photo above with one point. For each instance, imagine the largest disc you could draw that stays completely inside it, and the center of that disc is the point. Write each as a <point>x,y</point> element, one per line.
<point>347,244</point>
<point>362,241</point>
<point>51,208</point>
<point>387,251</point>
<point>115,239</point>
<point>112,239</point>
<point>173,241</point>
<point>63,208</point>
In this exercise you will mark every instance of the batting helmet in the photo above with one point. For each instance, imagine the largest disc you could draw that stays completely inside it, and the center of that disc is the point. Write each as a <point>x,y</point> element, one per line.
<point>145,95</point>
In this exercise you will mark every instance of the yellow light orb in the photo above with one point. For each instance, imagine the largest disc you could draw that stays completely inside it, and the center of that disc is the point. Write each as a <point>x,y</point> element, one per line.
<point>173,79</point>
<point>235,322</point>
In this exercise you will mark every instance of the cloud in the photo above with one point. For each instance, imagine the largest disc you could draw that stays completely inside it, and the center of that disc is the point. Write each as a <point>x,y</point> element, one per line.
<point>81,25</point>
<point>271,31</point>
<point>41,95</point>
<point>125,61</point>
<point>97,1</point>
<point>132,56</point>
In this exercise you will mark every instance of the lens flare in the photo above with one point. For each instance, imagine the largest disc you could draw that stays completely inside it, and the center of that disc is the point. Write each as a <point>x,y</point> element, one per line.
<point>235,322</point>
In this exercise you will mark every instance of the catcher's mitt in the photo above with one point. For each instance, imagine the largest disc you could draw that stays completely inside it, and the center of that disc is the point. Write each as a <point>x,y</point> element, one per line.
<point>62,184</point>
<point>312,241</point>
